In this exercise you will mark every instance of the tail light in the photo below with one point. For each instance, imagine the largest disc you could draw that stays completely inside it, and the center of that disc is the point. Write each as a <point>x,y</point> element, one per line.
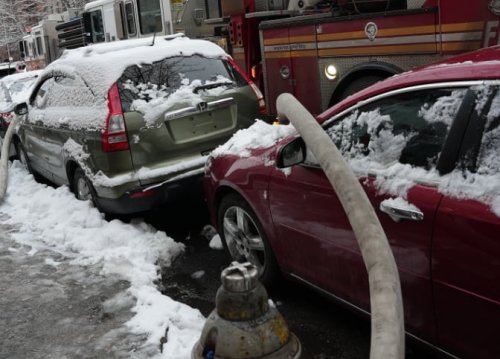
<point>256,90</point>
<point>7,117</point>
<point>114,134</point>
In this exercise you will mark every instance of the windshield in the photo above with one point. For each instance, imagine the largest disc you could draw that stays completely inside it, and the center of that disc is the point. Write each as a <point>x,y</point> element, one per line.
<point>20,89</point>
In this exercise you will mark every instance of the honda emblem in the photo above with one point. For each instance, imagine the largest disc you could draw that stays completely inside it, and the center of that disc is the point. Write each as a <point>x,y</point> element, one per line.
<point>202,106</point>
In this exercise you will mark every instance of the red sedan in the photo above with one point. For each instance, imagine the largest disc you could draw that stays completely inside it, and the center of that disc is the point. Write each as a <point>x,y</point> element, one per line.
<point>425,145</point>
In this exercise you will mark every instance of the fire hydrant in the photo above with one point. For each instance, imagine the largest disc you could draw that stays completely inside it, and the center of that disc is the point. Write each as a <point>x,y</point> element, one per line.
<point>245,323</point>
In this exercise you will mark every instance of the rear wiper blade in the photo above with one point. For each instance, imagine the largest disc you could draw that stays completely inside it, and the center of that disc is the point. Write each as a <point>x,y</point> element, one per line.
<point>212,86</point>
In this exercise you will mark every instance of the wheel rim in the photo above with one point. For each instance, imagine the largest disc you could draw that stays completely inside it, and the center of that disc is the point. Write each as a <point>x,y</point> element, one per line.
<point>243,239</point>
<point>83,189</point>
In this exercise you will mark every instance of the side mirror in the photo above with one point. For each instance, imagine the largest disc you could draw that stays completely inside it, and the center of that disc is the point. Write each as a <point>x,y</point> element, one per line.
<point>292,153</point>
<point>21,109</point>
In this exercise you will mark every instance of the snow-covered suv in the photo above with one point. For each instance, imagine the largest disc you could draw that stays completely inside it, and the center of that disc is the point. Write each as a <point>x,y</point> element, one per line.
<point>126,124</point>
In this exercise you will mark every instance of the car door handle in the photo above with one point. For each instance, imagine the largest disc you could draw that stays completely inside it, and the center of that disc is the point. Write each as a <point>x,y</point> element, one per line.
<point>397,214</point>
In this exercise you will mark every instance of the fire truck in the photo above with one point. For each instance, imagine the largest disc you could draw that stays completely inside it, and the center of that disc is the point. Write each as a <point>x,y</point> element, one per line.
<point>113,20</point>
<point>323,51</point>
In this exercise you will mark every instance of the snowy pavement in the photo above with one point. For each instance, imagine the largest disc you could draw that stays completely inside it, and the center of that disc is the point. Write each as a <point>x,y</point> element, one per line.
<point>74,284</point>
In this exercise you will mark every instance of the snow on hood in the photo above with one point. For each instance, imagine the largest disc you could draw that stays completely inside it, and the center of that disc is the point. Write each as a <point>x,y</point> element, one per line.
<point>101,65</point>
<point>259,135</point>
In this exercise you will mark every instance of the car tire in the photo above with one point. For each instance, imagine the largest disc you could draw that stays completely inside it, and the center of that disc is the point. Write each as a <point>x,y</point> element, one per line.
<point>246,240</point>
<point>82,187</point>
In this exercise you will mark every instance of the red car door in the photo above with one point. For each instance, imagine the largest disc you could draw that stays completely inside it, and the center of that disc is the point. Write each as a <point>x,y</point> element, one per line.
<point>466,251</point>
<point>312,225</point>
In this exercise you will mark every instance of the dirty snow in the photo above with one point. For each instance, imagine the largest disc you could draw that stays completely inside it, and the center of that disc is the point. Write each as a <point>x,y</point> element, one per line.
<point>53,218</point>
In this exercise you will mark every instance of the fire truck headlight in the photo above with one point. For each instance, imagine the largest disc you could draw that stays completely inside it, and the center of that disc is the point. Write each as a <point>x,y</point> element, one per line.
<point>330,72</point>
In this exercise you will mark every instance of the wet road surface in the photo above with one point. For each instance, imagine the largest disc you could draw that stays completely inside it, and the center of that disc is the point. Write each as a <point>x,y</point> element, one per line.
<point>325,329</point>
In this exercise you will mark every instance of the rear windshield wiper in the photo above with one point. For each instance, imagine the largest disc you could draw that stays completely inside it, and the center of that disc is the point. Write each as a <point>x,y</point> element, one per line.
<point>212,86</point>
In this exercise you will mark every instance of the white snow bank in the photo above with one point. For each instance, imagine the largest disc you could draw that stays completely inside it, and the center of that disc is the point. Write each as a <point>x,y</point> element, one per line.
<point>259,135</point>
<point>133,252</point>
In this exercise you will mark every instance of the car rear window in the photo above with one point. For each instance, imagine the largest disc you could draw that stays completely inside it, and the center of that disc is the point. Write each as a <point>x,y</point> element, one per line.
<point>164,77</point>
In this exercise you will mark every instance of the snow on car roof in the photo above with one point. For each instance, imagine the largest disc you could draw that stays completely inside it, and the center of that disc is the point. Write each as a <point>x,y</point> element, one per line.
<point>101,65</point>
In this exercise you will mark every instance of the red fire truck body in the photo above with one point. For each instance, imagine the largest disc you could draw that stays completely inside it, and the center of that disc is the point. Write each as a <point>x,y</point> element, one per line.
<point>322,58</point>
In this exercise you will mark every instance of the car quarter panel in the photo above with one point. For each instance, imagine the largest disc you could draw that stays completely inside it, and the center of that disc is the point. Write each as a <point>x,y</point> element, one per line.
<point>248,177</point>
<point>466,273</point>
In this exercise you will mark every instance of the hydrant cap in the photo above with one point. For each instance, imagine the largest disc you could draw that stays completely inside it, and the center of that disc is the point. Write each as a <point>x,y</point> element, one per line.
<point>240,277</point>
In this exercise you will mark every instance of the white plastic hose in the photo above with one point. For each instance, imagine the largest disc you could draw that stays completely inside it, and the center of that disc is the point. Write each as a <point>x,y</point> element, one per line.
<point>387,321</point>
<point>4,157</point>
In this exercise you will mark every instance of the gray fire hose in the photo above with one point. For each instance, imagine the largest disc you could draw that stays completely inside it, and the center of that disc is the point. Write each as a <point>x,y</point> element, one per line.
<point>4,157</point>
<point>387,321</point>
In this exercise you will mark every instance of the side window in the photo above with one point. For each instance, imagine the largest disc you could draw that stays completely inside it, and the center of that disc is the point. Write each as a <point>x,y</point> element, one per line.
<point>39,46</point>
<point>129,19</point>
<point>41,96</point>
<point>61,91</point>
<point>97,26</point>
<point>489,160</point>
<point>149,16</point>
<point>410,128</point>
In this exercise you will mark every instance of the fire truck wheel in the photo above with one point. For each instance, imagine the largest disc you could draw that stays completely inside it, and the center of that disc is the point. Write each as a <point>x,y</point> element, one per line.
<point>359,84</point>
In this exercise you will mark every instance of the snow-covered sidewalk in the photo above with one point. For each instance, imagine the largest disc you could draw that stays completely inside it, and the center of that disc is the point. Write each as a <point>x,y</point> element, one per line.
<point>75,270</point>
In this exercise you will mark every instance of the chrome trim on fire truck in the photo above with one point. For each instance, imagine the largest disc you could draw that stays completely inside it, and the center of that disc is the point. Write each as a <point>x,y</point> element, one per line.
<point>395,40</point>
<point>416,39</point>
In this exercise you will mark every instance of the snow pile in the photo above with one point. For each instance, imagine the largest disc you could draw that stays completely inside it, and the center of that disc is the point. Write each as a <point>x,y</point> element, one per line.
<point>128,251</point>
<point>259,135</point>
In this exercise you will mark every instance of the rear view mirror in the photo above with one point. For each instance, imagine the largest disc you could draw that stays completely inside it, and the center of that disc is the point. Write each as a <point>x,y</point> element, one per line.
<point>292,154</point>
<point>21,109</point>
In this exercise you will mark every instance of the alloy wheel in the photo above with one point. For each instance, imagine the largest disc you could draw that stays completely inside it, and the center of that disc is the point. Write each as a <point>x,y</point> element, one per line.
<point>243,239</point>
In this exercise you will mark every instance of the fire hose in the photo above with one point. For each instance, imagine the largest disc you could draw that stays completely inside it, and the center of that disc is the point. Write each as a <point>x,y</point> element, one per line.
<point>4,157</point>
<point>387,321</point>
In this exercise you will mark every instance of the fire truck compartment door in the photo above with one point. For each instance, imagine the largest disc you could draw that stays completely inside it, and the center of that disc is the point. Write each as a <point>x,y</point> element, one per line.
<point>278,62</point>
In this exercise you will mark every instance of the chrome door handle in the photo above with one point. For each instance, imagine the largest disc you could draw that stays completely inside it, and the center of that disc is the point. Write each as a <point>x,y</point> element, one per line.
<point>397,214</point>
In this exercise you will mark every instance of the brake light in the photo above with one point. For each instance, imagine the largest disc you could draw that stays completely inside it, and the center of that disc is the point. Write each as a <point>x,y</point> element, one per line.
<point>7,117</point>
<point>142,194</point>
<point>114,134</point>
<point>256,90</point>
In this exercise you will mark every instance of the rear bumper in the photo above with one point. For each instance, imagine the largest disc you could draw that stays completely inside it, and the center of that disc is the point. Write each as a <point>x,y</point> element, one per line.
<point>146,198</point>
